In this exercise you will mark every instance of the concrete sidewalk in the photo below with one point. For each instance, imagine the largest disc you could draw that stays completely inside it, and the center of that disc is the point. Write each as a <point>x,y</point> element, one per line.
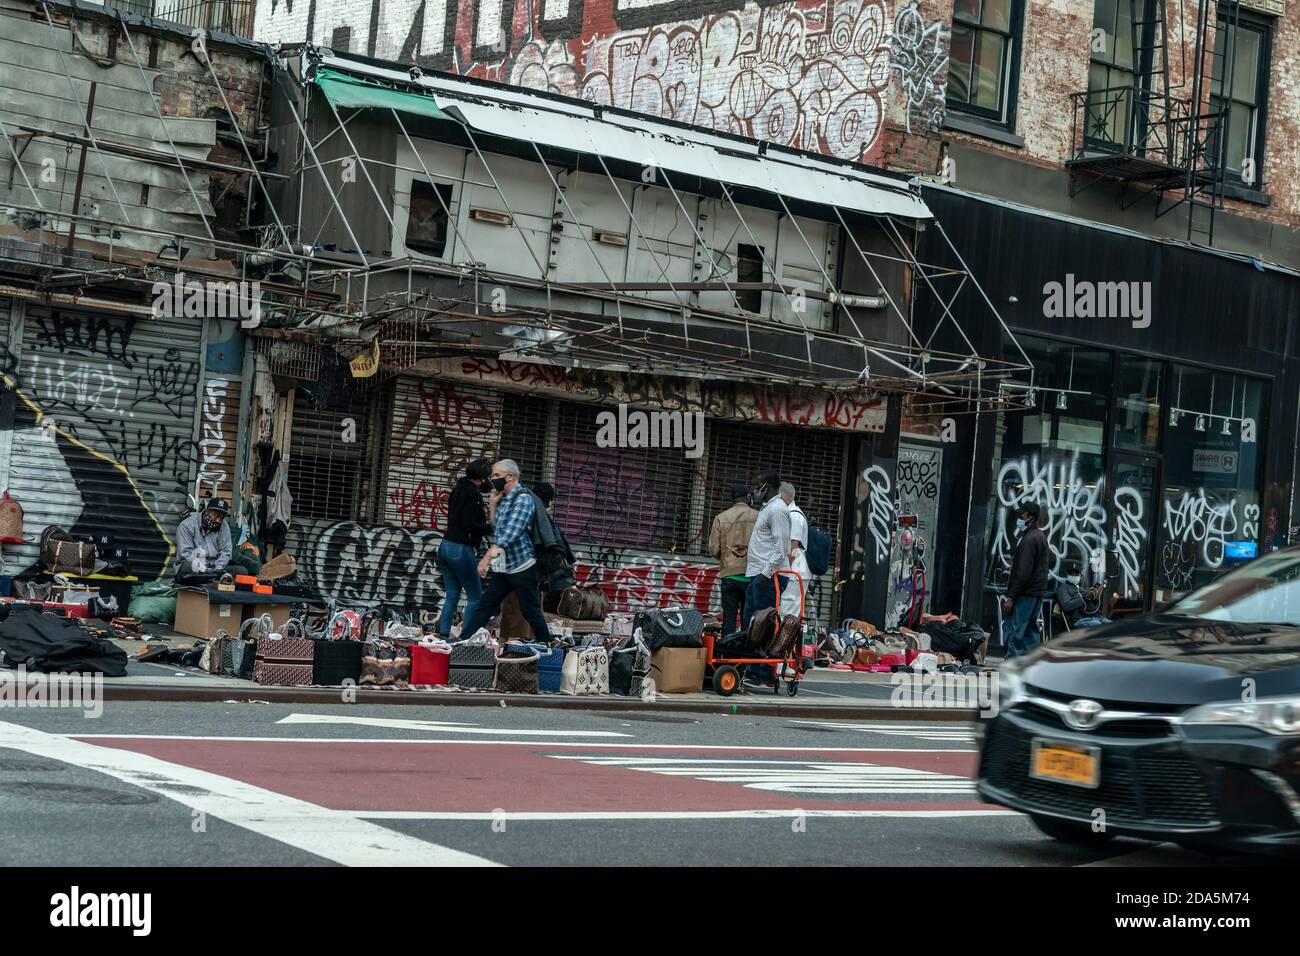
<point>823,693</point>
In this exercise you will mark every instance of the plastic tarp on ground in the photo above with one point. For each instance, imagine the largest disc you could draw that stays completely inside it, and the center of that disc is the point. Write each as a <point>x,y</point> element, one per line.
<point>516,114</point>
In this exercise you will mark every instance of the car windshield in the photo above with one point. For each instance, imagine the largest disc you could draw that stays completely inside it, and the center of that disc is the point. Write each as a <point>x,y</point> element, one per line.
<point>1265,591</point>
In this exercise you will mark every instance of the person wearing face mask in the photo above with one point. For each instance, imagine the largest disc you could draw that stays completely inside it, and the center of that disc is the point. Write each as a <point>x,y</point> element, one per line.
<point>769,547</point>
<point>1028,584</point>
<point>1079,607</point>
<point>511,558</point>
<point>467,524</point>
<point>203,545</point>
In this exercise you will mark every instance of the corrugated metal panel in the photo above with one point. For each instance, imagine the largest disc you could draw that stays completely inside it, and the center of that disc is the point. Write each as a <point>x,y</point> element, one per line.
<point>122,392</point>
<point>438,429</point>
<point>218,437</point>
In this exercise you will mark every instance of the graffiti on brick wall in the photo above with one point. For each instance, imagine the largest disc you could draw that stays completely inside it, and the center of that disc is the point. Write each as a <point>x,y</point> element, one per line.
<point>919,56</point>
<point>807,74</point>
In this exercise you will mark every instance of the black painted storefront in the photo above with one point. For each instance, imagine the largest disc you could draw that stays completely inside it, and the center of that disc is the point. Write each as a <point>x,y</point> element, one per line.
<point>1220,348</point>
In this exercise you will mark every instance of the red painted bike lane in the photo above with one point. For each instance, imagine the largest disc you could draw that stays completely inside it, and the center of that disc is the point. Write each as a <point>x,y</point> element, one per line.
<point>419,776</point>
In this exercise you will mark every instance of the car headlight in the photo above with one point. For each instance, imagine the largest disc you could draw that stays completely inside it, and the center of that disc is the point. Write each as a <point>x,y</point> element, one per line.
<point>1276,715</point>
<point>1010,684</point>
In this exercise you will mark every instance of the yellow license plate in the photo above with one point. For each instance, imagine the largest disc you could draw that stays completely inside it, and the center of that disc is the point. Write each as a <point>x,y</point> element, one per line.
<point>1066,763</point>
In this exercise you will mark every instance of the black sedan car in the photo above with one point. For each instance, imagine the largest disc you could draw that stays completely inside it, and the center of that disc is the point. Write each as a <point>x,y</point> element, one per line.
<point>1182,725</point>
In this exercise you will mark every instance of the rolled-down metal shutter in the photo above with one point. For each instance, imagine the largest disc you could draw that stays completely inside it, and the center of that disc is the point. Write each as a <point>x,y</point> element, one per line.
<point>120,393</point>
<point>438,429</point>
<point>811,459</point>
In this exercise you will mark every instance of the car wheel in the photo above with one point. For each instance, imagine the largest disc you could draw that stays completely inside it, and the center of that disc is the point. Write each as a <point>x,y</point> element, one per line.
<point>1080,834</point>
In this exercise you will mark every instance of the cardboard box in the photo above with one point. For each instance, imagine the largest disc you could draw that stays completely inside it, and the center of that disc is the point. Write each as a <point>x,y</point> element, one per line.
<point>197,618</point>
<point>678,670</point>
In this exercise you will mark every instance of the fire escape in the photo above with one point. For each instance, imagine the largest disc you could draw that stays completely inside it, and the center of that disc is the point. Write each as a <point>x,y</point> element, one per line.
<point>1146,136</point>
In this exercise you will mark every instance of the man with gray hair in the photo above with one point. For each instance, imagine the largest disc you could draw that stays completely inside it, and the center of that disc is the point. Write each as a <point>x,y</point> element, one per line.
<point>790,603</point>
<point>510,560</point>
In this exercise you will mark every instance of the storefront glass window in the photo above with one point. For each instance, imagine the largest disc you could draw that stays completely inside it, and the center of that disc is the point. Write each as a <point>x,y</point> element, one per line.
<point>1209,518</point>
<point>1054,455</point>
<point>1137,403</point>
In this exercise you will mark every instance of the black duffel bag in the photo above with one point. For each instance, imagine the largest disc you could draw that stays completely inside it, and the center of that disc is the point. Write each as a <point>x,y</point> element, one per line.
<point>670,627</point>
<point>961,639</point>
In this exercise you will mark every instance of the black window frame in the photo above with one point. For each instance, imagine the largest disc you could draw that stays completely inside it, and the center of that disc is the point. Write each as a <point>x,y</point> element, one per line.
<point>1263,25</point>
<point>1009,82</point>
<point>447,193</point>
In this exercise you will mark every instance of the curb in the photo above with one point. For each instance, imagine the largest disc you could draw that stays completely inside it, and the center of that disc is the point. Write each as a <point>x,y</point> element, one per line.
<point>732,706</point>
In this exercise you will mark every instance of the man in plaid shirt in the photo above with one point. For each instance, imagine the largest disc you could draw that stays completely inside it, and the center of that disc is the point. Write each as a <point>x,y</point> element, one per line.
<point>510,559</point>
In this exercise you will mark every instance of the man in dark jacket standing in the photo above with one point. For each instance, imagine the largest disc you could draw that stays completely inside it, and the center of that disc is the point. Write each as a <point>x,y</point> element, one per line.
<point>1028,584</point>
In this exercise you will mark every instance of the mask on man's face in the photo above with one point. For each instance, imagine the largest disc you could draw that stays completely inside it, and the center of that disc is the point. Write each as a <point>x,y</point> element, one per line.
<point>499,484</point>
<point>1021,525</point>
<point>758,496</point>
<point>210,523</point>
<point>1073,578</point>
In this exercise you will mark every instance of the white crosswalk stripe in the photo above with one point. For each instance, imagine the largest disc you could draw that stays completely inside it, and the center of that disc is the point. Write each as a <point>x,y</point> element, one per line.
<point>936,730</point>
<point>794,776</point>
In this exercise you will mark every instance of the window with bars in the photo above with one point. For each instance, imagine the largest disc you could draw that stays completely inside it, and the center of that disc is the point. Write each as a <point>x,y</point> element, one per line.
<point>332,465</point>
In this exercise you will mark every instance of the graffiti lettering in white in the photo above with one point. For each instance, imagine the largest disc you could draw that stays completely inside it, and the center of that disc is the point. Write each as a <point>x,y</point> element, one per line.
<point>1196,519</point>
<point>1075,523</point>
<point>212,446</point>
<point>920,57</point>
<point>1250,527</point>
<point>82,387</point>
<point>880,510</point>
<point>1130,537</point>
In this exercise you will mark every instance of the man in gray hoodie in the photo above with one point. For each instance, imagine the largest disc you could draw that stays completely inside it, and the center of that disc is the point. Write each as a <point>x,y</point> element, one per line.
<point>203,545</point>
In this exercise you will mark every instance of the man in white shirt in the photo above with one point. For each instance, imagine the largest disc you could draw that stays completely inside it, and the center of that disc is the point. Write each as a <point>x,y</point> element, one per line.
<point>790,603</point>
<point>769,547</point>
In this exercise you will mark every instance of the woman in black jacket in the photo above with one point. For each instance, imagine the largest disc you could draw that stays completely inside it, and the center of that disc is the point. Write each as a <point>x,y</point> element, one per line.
<point>458,551</point>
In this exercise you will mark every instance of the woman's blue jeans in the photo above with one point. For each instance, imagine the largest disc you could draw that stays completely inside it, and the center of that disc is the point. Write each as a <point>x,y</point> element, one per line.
<point>459,566</point>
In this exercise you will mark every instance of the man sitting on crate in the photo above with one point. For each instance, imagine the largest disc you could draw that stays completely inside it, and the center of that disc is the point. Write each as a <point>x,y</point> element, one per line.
<point>203,545</point>
<point>511,558</point>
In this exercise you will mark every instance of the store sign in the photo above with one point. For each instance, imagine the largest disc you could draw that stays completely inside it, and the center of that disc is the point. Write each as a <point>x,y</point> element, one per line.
<point>1214,461</point>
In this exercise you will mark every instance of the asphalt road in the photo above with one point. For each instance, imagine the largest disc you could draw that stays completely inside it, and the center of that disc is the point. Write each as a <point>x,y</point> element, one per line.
<point>156,784</point>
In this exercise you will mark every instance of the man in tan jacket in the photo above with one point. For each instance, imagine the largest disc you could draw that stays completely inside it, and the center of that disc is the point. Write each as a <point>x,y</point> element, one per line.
<point>729,543</point>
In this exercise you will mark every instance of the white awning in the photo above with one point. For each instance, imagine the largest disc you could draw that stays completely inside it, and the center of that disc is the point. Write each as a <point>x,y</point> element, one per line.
<point>513,113</point>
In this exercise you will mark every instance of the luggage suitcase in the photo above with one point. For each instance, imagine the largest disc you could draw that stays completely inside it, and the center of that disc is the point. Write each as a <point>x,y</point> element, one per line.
<point>671,627</point>
<point>430,663</point>
<point>334,662</point>
<point>583,604</point>
<point>473,665</point>
<point>586,671</point>
<point>517,671</point>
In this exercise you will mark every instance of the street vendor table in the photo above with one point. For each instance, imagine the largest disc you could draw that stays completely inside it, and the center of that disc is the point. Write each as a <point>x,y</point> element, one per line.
<point>201,611</point>
<point>109,585</point>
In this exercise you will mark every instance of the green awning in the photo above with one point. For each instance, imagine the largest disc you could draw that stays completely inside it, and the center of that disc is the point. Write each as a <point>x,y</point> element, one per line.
<point>344,90</point>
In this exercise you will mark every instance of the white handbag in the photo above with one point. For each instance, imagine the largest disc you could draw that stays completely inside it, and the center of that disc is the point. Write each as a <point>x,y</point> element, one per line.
<point>586,671</point>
